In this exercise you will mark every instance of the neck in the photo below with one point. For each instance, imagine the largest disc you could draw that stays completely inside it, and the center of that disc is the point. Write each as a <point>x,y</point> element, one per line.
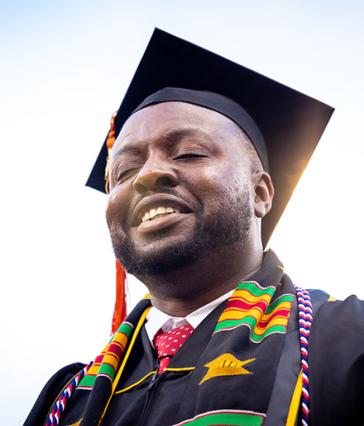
<point>182,291</point>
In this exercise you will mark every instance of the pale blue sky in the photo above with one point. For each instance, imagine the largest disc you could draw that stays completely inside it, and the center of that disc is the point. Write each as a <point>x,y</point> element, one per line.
<point>64,68</point>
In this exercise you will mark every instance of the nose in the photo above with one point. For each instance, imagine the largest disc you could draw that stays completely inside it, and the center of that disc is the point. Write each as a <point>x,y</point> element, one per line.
<point>154,175</point>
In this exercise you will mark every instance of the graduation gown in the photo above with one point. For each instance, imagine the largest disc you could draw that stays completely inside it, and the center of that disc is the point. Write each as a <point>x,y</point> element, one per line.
<point>236,368</point>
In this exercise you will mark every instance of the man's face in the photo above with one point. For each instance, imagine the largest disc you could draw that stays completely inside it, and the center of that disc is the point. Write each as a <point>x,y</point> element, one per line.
<point>180,187</point>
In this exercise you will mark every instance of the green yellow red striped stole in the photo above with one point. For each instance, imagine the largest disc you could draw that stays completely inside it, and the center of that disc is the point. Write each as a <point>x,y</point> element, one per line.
<point>250,306</point>
<point>107,362</point>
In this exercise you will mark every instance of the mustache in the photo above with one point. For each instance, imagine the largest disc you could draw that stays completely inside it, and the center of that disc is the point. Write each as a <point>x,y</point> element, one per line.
<point>167,191</point>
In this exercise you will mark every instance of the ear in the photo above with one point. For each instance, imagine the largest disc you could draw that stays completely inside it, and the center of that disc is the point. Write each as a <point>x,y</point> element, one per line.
<point>263,194</point>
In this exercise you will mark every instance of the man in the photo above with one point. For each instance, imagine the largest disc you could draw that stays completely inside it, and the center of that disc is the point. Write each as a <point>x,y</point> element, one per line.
<point>196,152</point>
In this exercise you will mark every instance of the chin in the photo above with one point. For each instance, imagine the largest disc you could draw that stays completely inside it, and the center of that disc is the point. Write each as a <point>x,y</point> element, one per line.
<point>162,255</point>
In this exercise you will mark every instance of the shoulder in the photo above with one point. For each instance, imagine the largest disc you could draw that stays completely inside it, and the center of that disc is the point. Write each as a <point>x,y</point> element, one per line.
<point>343,315</point>
<point>338,326</point>
<point>50,391</point>
<point>336,359</point>
<point>338,330</point>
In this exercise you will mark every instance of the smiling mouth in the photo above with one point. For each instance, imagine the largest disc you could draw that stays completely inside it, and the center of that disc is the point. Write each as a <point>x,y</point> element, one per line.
<point>157,208</point>
<point>158,212</point>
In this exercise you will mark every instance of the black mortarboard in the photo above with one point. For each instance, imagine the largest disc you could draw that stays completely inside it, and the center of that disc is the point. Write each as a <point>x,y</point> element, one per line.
<point>290,122</point>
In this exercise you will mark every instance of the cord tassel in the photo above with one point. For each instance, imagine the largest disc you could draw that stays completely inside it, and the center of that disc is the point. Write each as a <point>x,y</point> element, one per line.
<point>119,314</point>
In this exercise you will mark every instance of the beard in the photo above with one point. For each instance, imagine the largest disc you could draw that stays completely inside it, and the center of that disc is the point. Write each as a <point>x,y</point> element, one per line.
<point>230,224</point>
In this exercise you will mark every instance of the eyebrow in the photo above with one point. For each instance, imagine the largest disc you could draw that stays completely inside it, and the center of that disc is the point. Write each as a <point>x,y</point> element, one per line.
<point>169,138</point>
<point>178,134</point>
<point>128,149</point>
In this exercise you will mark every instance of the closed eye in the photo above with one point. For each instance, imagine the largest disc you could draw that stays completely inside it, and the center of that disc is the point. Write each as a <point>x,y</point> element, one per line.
<point>189,155</point>
<point>123,176</point>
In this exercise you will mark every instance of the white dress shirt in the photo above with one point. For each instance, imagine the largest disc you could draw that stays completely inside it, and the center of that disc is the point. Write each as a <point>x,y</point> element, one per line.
<point>157,319</point>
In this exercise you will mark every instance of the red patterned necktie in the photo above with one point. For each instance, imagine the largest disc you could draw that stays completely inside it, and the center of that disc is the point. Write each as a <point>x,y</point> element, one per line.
<point>167,344</point>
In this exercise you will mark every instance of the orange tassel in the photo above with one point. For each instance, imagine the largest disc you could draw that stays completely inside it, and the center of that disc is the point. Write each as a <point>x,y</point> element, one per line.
<point>120,300</point>
<point>119,314</point>
<point>110,140</point>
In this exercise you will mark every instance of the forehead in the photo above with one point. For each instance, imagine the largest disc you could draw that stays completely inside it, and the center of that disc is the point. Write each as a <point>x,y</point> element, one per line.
<point>158,120</point>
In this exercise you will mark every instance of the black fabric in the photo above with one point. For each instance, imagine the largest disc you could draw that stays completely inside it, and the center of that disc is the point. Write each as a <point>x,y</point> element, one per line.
<point>336,359</point>
<point>49,393</point>
<point>159,403</point>
<point>217,103</point>
<point>290,122</point>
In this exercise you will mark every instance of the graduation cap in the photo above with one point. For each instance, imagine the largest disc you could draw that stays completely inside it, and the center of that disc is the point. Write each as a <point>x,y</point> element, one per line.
<point>287,124</point>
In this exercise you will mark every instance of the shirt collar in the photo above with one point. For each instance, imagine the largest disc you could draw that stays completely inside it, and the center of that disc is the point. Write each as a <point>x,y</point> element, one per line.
<point>157,319</point>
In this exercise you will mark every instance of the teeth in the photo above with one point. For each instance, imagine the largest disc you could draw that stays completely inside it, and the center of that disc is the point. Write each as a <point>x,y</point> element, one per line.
<point>152,213</point>
<point>161,210</point>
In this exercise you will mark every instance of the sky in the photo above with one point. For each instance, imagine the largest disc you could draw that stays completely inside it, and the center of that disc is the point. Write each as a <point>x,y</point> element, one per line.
<point>65,67</point>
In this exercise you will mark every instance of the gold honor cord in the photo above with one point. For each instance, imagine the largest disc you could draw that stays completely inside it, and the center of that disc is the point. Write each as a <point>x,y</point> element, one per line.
<point>295,402</point>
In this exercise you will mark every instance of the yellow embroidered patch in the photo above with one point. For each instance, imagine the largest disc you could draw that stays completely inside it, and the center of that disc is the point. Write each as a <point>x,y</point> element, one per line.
<point>226,365</point>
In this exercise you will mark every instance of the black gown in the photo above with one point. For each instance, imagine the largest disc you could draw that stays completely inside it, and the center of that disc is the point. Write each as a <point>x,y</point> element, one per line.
<point>228,377</point>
